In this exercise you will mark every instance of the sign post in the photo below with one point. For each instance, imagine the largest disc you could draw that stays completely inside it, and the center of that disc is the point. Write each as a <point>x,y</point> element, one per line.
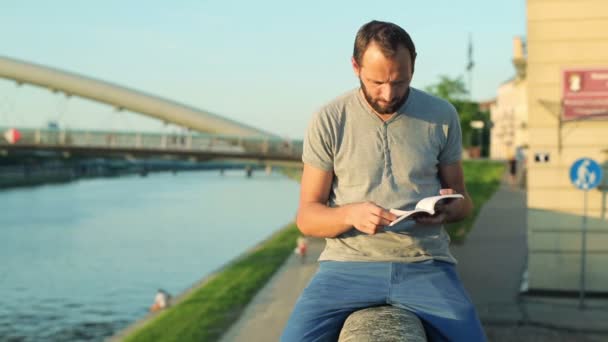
<point>585,174</point>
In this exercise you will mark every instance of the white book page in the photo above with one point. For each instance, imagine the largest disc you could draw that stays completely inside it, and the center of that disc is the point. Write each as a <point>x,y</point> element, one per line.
<point>426,205</point>
<point>403,214</point>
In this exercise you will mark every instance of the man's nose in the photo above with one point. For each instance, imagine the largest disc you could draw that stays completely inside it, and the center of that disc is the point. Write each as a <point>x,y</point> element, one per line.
<point>388,92</point>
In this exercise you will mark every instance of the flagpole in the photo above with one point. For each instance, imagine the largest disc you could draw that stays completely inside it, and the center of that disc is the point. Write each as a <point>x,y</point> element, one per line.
<point>470,85</point>
<point>470,67</point>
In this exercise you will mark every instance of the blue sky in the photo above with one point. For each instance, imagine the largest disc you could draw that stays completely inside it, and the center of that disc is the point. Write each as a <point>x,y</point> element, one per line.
<point>269,64</point>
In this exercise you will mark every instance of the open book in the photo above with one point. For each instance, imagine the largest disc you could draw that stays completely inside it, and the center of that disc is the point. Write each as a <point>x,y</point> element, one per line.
<point>425,205</point>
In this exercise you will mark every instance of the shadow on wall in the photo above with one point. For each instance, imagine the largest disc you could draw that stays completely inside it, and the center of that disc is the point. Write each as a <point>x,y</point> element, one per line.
<point>555,249</point>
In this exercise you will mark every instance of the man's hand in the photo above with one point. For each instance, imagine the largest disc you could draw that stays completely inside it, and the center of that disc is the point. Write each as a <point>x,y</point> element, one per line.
<point>367,217</point>
<point>444,212</point>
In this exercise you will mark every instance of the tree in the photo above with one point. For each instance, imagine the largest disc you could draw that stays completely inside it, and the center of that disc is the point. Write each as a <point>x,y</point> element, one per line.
<point>455,91</point>
<point>451,89</point>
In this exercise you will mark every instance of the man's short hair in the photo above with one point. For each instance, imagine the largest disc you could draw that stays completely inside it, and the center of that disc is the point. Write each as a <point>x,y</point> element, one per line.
<point>387,35</point>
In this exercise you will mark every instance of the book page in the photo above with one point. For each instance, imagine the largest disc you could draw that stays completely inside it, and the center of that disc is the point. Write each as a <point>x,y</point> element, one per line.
<point>403,214</point>
<point>428,203</point>
<point>425,205</point>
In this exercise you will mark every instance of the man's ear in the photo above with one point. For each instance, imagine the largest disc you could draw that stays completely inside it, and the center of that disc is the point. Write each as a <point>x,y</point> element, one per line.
<point>356,67</point>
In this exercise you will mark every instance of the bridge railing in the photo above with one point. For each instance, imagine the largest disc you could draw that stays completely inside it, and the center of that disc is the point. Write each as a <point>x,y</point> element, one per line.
<point>196,142</point>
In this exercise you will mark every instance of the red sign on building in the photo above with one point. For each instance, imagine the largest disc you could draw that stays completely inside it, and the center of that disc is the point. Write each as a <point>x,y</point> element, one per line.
<point>585,93</point>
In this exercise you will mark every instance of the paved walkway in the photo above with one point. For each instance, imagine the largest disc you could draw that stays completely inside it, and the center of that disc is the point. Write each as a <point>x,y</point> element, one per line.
<point>492,260</point>
<point>491,264</point>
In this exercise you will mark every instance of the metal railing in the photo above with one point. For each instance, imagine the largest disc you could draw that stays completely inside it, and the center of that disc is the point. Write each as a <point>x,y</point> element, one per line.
<point>189,142</point>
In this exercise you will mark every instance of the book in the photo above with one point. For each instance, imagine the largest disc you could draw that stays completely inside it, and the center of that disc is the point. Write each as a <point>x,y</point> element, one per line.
<point>425,205</point>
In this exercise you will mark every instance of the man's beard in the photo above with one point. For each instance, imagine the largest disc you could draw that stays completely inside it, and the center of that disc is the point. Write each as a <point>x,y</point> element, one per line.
<point>392,107</point>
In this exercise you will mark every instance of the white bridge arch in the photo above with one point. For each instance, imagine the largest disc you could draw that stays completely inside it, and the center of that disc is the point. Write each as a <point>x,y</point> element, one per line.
<point>123,98</point>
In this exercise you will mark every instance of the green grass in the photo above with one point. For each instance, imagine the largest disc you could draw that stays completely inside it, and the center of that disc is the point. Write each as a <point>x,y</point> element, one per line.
<point>482,179</point>
<point>210,310</point>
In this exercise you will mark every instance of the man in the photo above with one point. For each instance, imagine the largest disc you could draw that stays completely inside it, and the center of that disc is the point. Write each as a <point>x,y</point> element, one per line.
<point>385,145</point>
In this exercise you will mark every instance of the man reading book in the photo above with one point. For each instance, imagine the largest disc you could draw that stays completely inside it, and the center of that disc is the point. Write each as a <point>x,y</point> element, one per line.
<point>383,145</point>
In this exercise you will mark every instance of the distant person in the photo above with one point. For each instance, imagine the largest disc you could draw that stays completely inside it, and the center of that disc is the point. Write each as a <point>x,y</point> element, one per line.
<point>301,248</point>
<point>161,301</point>
<point>521,165</point>
<point>382,145</point>
<point>512,168</point>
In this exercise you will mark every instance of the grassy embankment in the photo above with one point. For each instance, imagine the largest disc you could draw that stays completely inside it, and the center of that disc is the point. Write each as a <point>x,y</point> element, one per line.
<point>482,179</point>
<point>209,310</point>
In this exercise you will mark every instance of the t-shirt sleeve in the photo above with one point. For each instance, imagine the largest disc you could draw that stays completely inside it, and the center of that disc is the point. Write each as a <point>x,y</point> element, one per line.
<point>318,143</point>
<point>452,149</point>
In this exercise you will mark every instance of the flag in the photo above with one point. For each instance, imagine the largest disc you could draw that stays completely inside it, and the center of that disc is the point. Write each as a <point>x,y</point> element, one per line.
<point>470,63</point>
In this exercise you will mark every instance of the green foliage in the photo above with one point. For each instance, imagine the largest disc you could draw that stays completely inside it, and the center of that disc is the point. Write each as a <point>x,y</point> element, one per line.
<point>451,89</point>
<point>210,310</point>
<point>455,91</point>
<point>469,111</point>
<point>482,179</point>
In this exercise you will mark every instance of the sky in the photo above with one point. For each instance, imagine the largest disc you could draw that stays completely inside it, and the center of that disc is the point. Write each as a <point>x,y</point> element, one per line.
<point>269,64</point>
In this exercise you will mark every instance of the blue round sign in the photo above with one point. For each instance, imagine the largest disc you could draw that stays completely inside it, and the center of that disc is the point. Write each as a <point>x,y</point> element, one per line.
<point>586,174</point>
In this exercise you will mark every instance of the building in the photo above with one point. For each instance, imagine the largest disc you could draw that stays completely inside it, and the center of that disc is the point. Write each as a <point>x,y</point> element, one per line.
<point>508,112</point>
<point>567,50</point>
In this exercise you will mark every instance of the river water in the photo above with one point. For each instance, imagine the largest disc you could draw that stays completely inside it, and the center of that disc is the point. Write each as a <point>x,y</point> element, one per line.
<point>80,261</point>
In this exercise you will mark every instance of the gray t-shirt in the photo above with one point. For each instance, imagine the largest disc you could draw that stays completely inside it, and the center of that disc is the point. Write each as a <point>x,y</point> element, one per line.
<point>393,164</point>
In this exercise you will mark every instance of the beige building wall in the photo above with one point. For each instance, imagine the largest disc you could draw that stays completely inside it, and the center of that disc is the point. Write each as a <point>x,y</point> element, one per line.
<point>509,117</point>
<point>564,34</point>
<point>509,113</point>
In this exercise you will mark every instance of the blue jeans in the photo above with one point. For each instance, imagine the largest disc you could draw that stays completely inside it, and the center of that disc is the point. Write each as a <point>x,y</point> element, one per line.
<point>430,289</point>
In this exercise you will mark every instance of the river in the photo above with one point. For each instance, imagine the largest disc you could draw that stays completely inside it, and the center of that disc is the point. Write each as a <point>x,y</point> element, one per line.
<point>82,260</point>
